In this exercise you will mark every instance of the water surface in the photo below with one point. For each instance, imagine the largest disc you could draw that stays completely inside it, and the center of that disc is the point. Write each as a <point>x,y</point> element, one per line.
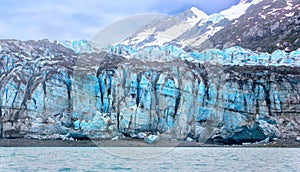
<point>148,159</point>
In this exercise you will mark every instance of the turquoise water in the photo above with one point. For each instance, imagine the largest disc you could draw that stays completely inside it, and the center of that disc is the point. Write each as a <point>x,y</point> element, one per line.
<point>148,159</point>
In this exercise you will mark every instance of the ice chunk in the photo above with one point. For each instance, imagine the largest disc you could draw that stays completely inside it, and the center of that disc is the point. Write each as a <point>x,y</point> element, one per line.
<point>151,139</point>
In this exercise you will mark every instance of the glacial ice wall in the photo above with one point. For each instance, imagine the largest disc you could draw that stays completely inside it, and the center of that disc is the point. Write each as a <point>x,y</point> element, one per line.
<point>229,96</point>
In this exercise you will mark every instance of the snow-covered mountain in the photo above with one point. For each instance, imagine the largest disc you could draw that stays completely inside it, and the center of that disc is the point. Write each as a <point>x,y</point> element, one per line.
<point>162,31</point>
<point>191,27</point>
<point>259,25</point>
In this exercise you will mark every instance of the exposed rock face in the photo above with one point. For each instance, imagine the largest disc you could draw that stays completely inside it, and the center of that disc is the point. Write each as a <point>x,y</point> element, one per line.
<point>267,26</point>
<point>48,89</point>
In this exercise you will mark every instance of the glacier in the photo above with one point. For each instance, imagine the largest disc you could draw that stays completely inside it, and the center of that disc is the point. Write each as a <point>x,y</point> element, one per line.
<point>73,89</point>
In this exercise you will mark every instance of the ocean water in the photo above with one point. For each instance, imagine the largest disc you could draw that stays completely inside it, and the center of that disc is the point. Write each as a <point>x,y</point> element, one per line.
<point>148,159</point>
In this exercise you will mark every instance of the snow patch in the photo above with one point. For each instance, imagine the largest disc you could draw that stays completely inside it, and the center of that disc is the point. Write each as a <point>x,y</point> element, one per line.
<point>289,3</point>
<point>235,22</point>
<point>289,8</point>
<point>239,9</point>
<point>139,37</point>
<point>265,7</point>
<point>263,16</point>
<point>274,11</point>
<point>290,14</point>
<point>159,40</point>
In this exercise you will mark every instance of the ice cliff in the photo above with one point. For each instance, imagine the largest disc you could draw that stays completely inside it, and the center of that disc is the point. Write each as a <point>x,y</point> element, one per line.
<point>68,88</point>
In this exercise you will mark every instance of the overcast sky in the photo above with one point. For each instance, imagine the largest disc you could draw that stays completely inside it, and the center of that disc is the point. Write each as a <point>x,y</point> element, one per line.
<point>82,19</point>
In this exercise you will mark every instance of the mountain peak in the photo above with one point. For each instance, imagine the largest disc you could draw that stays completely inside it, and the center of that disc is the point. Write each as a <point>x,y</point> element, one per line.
<point>198,12</point>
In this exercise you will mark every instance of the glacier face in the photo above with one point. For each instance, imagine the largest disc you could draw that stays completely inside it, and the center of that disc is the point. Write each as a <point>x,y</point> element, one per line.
<point>230,96</point>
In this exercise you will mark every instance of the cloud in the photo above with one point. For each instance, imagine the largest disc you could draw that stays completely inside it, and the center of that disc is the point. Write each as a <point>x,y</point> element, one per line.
<point>79,19</point>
